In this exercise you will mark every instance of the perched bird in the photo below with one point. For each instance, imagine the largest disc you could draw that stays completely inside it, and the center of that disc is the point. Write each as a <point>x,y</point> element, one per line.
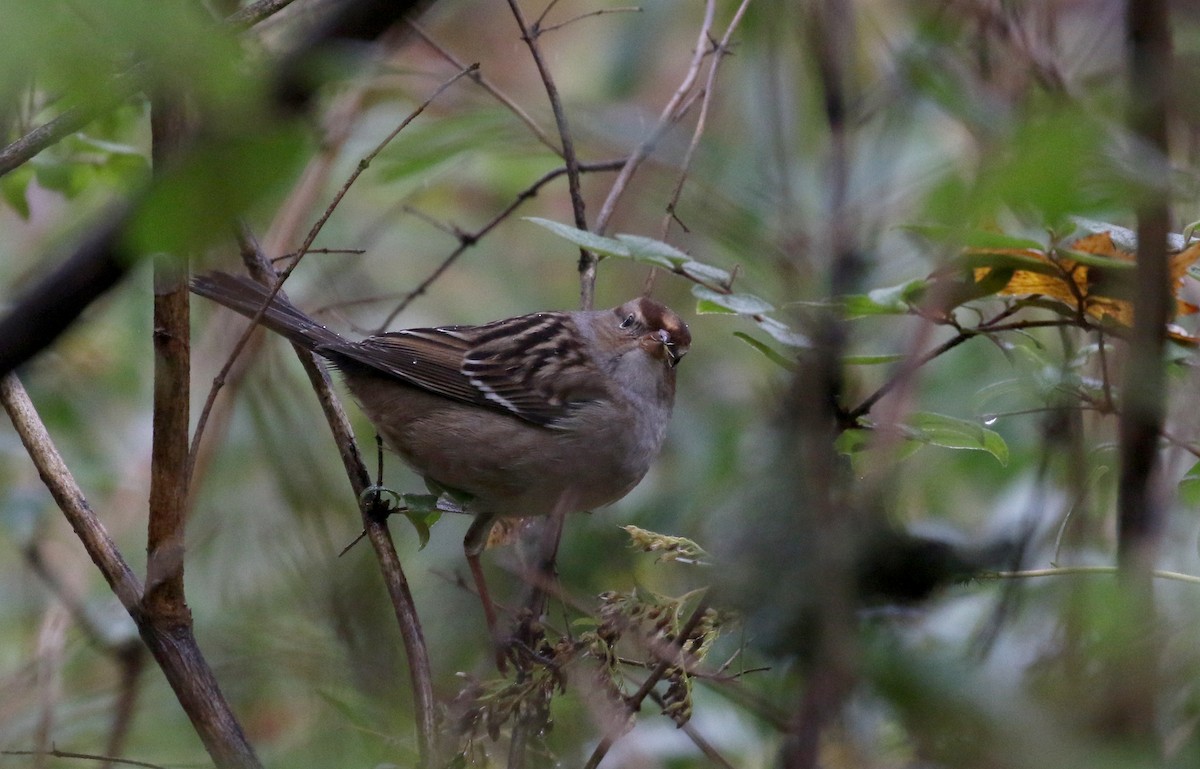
<point>539,414</point>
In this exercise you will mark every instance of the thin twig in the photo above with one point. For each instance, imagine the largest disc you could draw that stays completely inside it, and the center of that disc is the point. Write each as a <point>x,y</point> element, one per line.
<point>56,753</point>
<point>587,260</point>
<point>490,87</point>
<point>260,10</point>
<point>467,240</point>
<point>1068,571</point>
<point>375,526</point>
<point>282,276</point>
<point>339,251</point>
<point>720,50</point>
<point>671,112</point>
<point>909,367</point>
<point>633,702</point>
<point>543,29</point>
<point>68,495</point>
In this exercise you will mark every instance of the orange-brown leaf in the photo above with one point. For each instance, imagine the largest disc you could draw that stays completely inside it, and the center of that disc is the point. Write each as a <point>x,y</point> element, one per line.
<point>1092,288</point>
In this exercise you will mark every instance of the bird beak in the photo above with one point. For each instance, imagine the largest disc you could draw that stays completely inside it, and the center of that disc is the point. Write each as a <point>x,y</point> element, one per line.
<point>671,350</point>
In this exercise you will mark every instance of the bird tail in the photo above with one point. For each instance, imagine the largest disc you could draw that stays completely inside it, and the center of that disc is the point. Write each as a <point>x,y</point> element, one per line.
<point>247,297</point>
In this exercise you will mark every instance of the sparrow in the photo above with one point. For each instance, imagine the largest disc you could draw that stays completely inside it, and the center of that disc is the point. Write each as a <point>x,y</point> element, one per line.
<point>540,414</point>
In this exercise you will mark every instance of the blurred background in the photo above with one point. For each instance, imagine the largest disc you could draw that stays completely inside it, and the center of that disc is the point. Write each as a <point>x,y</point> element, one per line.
<point>848,151</point>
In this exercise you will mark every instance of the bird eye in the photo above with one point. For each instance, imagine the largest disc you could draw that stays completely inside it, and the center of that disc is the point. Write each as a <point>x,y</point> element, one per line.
<point>628,321</point>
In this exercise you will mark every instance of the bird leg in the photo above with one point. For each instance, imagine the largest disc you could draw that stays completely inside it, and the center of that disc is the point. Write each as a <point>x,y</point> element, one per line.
<point>473,545</point>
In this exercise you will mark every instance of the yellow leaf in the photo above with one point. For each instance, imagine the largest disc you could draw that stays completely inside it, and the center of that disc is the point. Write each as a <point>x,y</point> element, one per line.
<point>1089,285</point>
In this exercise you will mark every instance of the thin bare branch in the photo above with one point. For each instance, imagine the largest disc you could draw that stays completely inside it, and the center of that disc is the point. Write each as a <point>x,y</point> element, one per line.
<point>670,114</point>
<point>1075,571</point>
<point>491,88</point>
<point>719,53</point>
<point>467,240</point>
<point>282,276</point>
<point>587,260</point>
<point>173,645</point>
<point>56,753</point>
<point>68,496</point>
<point>909,367</point>
<point>544,28</point>
<point>252,14</point>
<point>374,515</point>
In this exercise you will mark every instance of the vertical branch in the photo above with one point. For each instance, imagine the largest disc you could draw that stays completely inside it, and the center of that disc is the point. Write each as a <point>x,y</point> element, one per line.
<point>1139,509</point>
<point>169,467</point>
<point>587,260</point>
<point>822,493</point>
<point>1142,414</point>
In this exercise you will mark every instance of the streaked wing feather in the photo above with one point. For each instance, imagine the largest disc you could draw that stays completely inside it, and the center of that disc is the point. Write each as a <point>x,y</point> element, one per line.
<point>479,364</point>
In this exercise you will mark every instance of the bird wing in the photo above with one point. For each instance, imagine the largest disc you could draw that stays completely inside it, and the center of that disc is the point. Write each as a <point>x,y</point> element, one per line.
<point>532,367</point>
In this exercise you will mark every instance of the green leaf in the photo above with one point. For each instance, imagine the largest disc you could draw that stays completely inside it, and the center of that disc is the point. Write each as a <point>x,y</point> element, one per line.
<point>953,433</point>
<point>1099,260</point>
<point>86,142</point>
<point>712,302</point>
<point>706,273</point>
<point>215,183</point>
<point>851,442</point>
<point>421,503</point>
<point>653,251</point>
<point>1006,261</point>
<point>972,238</point>
<point>995,280</point>
<point>422,523</point>
<point>783,333</point>
<point>13,186</point>
<point>771,353</point>
<point>872,360</point>
<point>59,175</point>
<point>899,298</point>
<point>422,512</point>
<point>889,300</point>
<point>862,305</point>
<point>1189,487</point>
<point>597,244</point>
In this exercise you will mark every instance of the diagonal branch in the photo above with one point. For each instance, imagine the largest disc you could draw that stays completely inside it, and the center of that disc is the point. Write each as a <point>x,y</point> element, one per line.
<point>672,111</point>
<point>587,260</point>
<point>55,300</point>
<point>173,645</point>
<point>374,524</point>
